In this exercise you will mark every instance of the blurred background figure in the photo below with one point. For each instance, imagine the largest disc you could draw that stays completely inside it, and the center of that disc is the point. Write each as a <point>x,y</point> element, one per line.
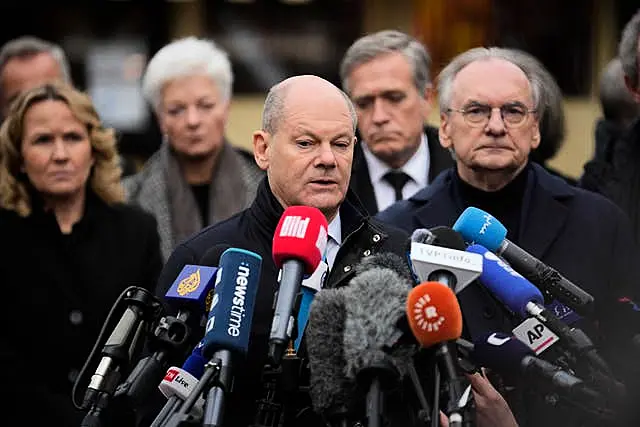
<point>197,177</point>
<point>619,110</point>
<point>552,122</point>
<point>387,75</point>
<point>27,62</point>
<point>68,243</point>
<point>619,178</point>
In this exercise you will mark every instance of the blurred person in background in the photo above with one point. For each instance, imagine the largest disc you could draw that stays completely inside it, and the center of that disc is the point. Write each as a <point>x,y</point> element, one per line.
<point>552,121</point>
<point>619,179</point>
<point>70,246</point>
<point>27,62</point>
<point>196,178</point>
<point>619,110</point>
<point>387,76</point>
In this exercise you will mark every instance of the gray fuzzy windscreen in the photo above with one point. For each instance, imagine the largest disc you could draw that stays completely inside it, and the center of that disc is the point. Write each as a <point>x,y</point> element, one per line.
<point>329,388</point>
<point>386,260</point>
<point>375,301</point>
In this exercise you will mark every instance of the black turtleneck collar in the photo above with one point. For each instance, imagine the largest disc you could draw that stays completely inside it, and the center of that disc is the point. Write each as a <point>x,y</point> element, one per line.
<point>505,204</point>
<point>267,210</point>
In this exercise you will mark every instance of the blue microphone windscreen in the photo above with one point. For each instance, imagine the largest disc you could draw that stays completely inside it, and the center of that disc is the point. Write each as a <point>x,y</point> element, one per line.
<point>195,364</point>
<point>190,289</point>
<point>505,283</point>
<point>478,226</point>
<point>229,322</point>
<point>500,352</point>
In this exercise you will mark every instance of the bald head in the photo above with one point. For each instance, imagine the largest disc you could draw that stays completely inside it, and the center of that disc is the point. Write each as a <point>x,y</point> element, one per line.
<point>296,90</point>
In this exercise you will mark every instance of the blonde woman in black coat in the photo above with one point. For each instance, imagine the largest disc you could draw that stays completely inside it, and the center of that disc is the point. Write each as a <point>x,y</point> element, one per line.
<point>69,248</point>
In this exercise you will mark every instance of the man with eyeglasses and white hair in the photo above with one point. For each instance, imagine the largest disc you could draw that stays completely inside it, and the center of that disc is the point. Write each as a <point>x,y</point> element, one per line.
<point>490,103</point>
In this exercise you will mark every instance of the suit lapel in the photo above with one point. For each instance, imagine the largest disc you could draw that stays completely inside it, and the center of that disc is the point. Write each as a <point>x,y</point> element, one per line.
<point>439,210</point>
<point>439,158</point>
<point>361,181</point>
<point>543,215</point>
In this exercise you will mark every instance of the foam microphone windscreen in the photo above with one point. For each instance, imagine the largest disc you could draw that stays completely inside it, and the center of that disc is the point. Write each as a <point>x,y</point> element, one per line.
<point>194,364</point>
<point>434,314</point>
<point>374,305</point>
<point>500,352</point>
<point>505,283</point>
<point>422,235</point>
<point>300,235</point>
<point>328,387</point>
<point>478,226</point>
<point>386,260</point>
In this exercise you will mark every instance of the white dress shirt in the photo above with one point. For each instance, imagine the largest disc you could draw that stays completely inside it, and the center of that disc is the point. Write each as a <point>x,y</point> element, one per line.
<point>334,240</point>
<point>417,168</point>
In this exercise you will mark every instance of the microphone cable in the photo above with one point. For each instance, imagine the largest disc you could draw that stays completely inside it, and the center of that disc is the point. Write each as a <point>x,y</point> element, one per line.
<point>108,323</point>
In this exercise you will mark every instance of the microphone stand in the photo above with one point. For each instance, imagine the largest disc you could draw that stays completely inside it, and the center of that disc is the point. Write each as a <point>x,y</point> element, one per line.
<point>117,353</point>
<point>214,406</point>
<point>214,383</point>
<point>169,338</point>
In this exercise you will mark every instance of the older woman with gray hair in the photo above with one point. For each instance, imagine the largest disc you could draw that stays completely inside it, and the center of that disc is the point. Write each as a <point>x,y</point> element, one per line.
<point>196,178</point>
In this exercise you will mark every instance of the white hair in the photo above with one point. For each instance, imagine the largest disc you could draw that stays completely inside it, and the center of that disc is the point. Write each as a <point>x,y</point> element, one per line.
<point>187,57</point>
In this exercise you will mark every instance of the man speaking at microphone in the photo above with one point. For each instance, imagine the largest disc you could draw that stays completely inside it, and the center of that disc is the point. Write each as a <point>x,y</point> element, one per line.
<point>306,147</point>
<point>491,101</point>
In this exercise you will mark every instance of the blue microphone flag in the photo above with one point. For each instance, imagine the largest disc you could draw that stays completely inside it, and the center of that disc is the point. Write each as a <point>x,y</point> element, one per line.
<point>191,288</point>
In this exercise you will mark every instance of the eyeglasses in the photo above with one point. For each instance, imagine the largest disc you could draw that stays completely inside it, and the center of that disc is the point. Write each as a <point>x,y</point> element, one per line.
<point>478,115</point>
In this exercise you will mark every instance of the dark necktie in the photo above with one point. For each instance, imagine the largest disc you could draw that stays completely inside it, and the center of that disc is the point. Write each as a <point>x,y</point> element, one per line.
<point>397,179</point>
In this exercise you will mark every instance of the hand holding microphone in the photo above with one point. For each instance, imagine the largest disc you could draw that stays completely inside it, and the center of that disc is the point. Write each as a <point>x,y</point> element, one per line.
<point>492,410</point>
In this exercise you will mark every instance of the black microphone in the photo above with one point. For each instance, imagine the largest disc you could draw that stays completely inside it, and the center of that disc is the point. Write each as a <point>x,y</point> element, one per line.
<point>523,298</point>
<point>190,296</point>
<point>477,226</point>
<point>119,349</point>
<point>510,357</point>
